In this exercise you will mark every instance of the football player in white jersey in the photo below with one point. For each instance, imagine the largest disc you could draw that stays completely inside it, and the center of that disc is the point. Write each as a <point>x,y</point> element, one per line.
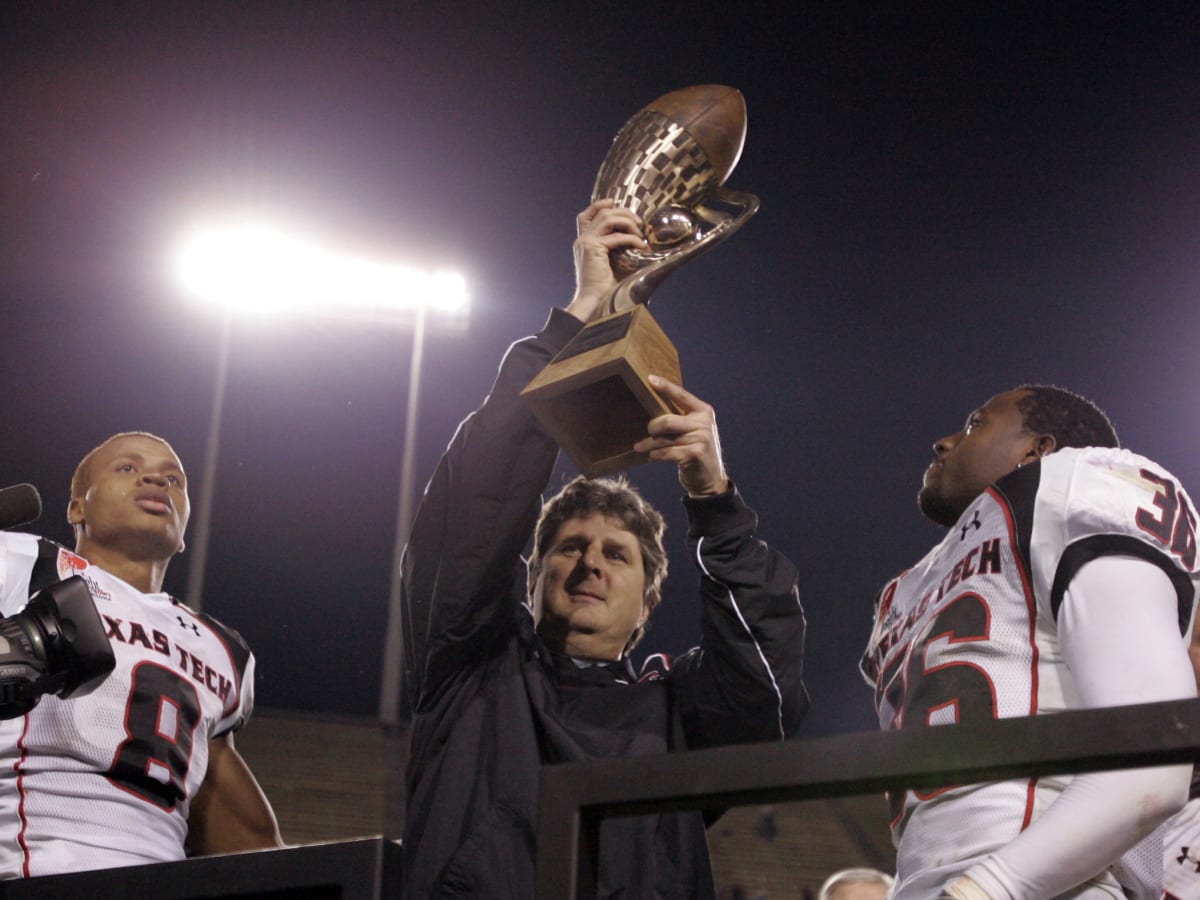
<point>1181,851</point>
<point>1181,833</point>
<point>1067,580</point>
<point>139,766</point>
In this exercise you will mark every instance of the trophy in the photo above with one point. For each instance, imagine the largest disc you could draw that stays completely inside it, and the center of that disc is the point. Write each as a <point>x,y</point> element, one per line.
<point>668,164</point>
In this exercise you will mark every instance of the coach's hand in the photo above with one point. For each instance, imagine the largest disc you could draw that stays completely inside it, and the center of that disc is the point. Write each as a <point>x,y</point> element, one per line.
<point>689,439</point>
<point>602,229</point>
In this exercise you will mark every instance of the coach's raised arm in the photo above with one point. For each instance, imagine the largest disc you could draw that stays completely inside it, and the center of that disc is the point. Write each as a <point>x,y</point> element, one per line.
<point>509,669</point>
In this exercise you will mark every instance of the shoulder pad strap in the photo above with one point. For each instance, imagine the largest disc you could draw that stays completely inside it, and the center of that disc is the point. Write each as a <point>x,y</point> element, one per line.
<point>238,649</point>
<point>45,569</point>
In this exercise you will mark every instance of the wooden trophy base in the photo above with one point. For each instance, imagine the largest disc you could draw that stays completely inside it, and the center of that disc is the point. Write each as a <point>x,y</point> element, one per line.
<point>594,398</point>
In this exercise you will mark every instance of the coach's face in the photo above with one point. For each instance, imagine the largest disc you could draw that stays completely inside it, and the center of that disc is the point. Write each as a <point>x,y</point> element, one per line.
<point>993,442</point>
<point>589,595</point>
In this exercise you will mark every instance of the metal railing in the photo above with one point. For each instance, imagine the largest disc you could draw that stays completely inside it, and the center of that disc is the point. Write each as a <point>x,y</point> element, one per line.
<point>577,796</point>
<point>364,869</point>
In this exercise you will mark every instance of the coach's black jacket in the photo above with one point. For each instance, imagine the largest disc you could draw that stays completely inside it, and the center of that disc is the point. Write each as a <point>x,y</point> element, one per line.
<point>492,704</point>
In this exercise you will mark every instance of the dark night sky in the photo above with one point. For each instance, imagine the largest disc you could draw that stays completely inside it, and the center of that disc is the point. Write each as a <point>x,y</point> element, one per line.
<point>953,202</point>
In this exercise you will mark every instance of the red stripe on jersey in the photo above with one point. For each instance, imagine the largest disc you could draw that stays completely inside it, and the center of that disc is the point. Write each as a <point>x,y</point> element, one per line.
<point>1031,610</point>
<point>889,594</point>
<point>1030,794</point>
<point>21,795</point>
<point>894,825</point>
<point>236,697</point>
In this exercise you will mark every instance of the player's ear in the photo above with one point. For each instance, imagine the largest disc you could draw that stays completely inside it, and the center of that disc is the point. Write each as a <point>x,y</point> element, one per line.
<point>1045,445</point>
<point>75,511</point>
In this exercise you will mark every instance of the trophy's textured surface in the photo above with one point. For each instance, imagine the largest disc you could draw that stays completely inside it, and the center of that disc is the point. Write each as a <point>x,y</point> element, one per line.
<point>654,163</point>
<point>676,150</point>
<point>668,164</point>
<point>715,116</point>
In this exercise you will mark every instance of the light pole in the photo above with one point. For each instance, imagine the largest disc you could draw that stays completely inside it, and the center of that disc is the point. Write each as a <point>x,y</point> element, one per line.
<point>393,647</point>
<point>202,527</point>
<point>259,270</point>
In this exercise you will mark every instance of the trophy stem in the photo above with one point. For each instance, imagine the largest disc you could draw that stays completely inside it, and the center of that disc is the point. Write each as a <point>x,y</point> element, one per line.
<point>667,165</point>
<point>724,211</point>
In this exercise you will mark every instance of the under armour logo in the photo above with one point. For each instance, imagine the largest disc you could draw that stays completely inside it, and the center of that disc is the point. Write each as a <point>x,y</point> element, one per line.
<point>975,521</point>
<point>191,625</point>
<point>1187,857</point>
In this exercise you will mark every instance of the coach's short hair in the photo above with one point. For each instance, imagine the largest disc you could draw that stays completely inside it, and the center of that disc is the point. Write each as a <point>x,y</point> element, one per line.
<point>854,876</point>
<point>1073,420</point>
<point>614,497</point>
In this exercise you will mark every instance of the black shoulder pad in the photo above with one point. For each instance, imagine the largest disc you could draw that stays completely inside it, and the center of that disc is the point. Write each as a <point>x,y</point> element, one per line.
<point>236,644</point>
<point>45,570</point>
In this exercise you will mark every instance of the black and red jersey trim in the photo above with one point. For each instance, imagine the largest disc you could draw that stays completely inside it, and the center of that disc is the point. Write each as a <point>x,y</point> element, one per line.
<point>1019,488</point>
<point>1097,546</point>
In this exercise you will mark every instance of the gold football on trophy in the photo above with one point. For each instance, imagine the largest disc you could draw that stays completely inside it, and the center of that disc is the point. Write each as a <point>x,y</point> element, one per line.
<point>669,158</point>
<point>667,164</point>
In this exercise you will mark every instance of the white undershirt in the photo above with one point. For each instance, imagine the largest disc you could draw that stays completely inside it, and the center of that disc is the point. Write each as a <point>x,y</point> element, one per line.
<point>1119,632</point>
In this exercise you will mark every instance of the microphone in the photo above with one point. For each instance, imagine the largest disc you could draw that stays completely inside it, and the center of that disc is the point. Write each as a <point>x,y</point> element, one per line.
<point>19,505</point>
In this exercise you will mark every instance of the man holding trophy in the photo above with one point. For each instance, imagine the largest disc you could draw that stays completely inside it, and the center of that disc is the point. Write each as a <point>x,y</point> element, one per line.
<point>508,669</point>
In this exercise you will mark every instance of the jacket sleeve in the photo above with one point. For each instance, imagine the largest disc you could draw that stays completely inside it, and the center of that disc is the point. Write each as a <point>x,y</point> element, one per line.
<point>460,569</point>
<point>744,682</point>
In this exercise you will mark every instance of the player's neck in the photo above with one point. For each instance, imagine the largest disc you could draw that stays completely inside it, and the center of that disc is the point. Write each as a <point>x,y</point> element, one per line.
<point>144,574</point>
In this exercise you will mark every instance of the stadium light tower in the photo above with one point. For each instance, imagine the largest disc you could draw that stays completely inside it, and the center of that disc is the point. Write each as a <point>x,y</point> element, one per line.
<point>252,269</point>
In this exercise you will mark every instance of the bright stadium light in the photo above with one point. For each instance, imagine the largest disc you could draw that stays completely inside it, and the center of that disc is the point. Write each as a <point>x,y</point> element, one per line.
<point>256,269</point>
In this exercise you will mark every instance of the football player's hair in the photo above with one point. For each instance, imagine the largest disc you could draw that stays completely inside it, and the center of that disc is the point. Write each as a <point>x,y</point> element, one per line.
<point>1073,420</point>
<point>83,472</point>
<point>617,498</point>
<point>854,876</point>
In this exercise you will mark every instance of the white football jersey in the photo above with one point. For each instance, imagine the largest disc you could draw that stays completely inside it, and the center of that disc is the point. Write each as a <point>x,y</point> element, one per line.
<point>1181,858</point>
<point>105,777</point>
<point>970,633</point>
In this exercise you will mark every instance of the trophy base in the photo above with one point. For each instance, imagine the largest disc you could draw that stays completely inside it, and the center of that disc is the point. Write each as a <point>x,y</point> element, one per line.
<point>594,398</point>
